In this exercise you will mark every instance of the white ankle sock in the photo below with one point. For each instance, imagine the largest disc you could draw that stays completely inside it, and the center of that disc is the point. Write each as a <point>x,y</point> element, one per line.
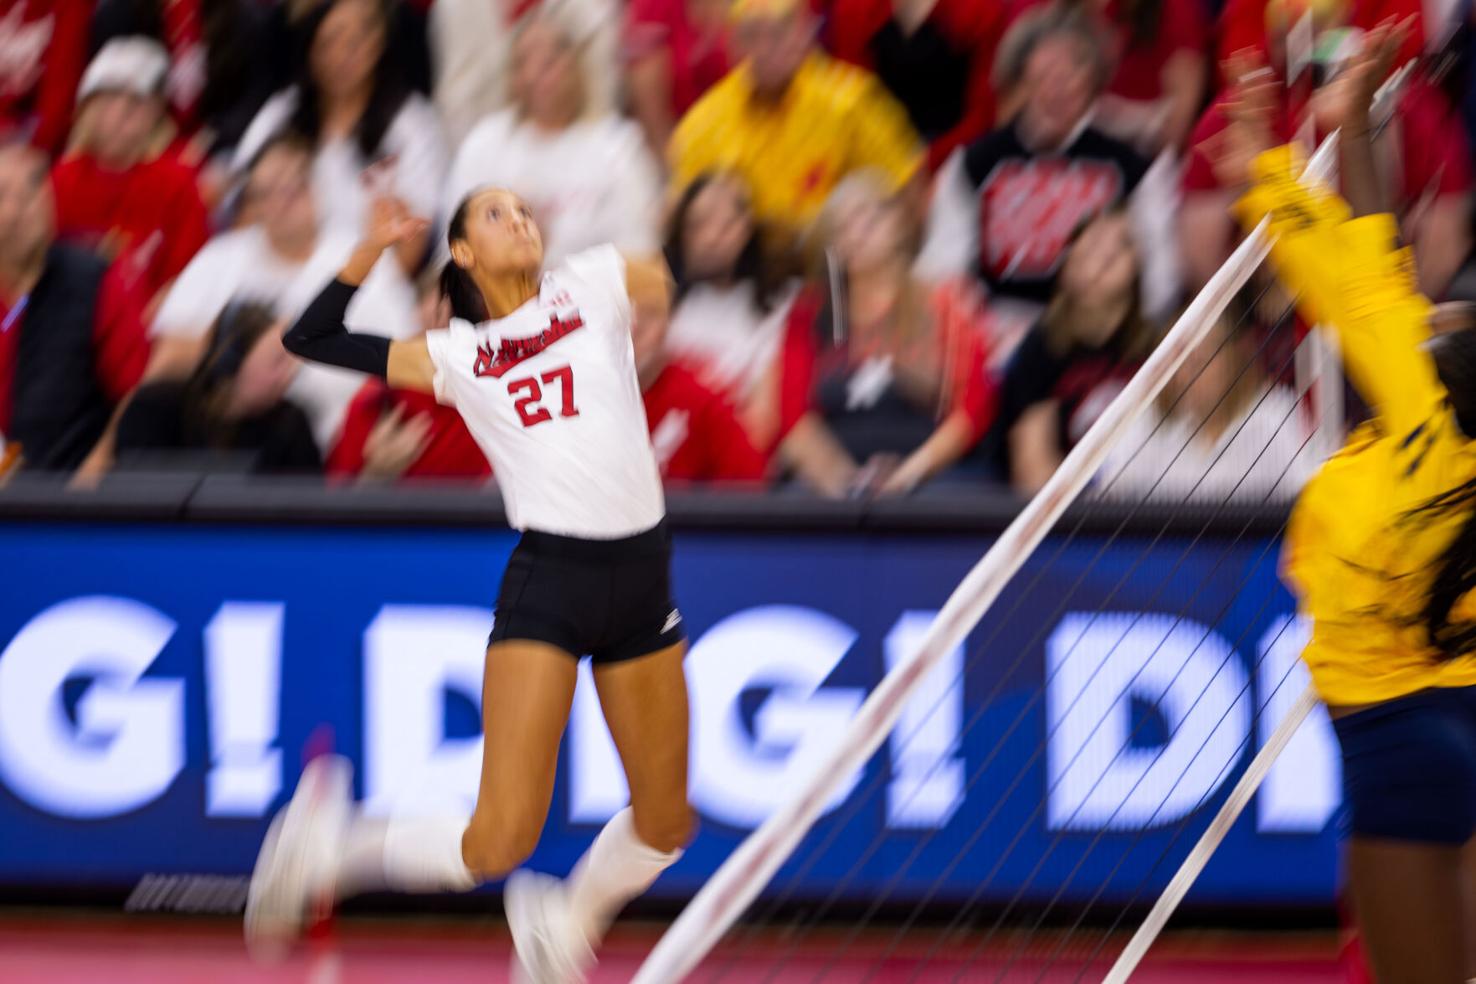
<point>617,867</point>
<point>409,854</point>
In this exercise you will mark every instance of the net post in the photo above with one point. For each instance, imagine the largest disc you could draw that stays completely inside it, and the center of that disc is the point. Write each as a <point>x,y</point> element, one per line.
<point>1235,803</point>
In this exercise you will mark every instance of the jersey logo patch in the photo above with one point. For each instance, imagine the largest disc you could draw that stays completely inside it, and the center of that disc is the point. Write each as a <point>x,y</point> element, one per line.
<point>513,351</point>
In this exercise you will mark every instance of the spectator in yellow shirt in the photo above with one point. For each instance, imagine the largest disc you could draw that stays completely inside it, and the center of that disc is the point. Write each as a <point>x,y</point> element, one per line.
<point>792,121</point>
<point>1381,548</point>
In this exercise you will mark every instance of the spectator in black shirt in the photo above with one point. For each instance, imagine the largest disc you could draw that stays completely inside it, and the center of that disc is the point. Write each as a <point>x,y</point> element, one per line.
<point>230,413</point>
<point>1075,360</point>
<point>1008,204</point>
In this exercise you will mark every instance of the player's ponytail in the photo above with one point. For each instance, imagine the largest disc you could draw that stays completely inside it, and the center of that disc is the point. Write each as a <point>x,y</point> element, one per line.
<point>1455,574</point>
<point>456,284</point>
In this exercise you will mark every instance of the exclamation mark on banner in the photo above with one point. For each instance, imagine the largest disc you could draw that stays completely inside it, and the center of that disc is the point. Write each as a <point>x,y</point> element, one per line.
<point>243,657</point>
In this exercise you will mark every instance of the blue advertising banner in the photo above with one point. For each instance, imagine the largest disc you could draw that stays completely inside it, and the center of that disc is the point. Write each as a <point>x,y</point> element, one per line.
<point>158,685</point>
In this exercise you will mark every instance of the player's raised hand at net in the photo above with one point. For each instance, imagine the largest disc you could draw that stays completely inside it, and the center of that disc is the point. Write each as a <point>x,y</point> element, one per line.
<point>391,223</point>
<point>1347,101</point>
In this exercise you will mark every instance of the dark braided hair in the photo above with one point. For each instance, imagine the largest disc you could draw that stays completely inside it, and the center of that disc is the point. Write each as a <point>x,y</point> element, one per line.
<point>1455,575</point>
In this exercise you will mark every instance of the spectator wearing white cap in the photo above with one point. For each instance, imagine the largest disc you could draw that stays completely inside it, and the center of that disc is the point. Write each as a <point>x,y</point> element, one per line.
<point>117,191</point>
<point>351,104</point>
<point>586,172</point>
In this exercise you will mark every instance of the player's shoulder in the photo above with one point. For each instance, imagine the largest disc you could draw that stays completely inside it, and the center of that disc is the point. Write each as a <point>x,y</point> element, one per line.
<point>600,266</point>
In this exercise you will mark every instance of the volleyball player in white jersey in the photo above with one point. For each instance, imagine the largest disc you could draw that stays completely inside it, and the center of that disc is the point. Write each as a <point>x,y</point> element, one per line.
<point>540,366</point>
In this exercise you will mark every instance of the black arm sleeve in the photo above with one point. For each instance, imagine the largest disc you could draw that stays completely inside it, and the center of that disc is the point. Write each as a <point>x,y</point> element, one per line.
<point>320,335</point>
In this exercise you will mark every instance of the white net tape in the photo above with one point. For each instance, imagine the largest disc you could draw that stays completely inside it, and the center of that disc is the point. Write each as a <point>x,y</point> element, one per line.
<point>740,880</point>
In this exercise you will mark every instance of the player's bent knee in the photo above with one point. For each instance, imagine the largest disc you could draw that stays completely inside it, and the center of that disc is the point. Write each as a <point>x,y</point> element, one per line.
<point>492,851</point>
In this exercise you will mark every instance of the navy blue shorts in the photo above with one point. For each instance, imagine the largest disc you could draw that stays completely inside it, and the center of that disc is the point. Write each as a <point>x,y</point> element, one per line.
<point>1409,767</point>
<point>606,599</point>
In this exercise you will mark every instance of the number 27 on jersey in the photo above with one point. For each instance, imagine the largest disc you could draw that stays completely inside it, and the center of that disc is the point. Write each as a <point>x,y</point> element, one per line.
<point>528,394</point>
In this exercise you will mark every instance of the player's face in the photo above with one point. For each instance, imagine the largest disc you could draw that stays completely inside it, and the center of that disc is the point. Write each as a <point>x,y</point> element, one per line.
<point>265,374</point>
<point>25,204</point>
<point>502,237</point>
<point>347,46</point>
<point>1058,87</point>
<point>718,227</point>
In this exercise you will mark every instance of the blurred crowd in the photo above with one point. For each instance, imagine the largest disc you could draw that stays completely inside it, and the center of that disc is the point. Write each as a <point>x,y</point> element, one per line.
<point>914,242</point>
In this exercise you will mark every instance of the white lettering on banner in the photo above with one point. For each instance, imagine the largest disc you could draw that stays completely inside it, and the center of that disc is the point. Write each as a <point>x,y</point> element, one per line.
<point>127,744</point>
<point>1097,665</point>
<point>927,784</point>
<point>1304,788</point>
<point>414,655</point>
<point>739,779</point>
<point>243,659</point>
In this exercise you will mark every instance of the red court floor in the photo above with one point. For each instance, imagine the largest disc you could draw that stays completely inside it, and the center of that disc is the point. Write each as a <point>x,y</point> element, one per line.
<point>61,948</point>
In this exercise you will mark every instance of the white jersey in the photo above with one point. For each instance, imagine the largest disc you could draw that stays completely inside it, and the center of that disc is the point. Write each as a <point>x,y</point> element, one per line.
<point>550,395</point>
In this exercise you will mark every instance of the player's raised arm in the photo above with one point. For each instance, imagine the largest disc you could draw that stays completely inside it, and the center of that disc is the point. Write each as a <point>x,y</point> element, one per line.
<point>319,335</point>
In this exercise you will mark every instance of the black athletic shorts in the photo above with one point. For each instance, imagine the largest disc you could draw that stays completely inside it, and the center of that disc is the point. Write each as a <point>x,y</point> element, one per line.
<point>606,599</point>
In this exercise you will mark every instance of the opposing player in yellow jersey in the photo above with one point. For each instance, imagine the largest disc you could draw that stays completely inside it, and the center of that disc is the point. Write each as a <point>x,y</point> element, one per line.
<point>1381,549</point>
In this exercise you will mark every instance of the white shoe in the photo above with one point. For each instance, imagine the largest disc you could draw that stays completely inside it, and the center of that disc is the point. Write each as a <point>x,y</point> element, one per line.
<point>550,946</point>
<point>297,870</point>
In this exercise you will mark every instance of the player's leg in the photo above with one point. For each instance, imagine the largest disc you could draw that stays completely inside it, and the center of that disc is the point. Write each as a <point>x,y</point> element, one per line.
<point>645,705</point>
<point>1409,900</point>
<point>1409,777</point>
<point>558,924</point>
<point>320,849</point>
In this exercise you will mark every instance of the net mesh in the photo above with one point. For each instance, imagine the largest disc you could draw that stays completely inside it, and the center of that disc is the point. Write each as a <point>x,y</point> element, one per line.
<point>1086,743</point>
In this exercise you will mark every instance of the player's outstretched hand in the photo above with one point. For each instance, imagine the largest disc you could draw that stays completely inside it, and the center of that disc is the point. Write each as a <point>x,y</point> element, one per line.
<point>1347,100</point>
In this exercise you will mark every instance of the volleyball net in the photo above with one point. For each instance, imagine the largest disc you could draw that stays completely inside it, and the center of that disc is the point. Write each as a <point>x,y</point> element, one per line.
<point>1097,781</point>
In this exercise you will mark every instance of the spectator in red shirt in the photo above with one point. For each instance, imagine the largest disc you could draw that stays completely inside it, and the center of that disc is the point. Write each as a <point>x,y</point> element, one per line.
<point>1426,170</point>
<point>72,344</point>
<point>675,50</point>
<point>1258,25</point>
<point>883,382</point>
<point>392,434</point>
<point>694,431</point>
<point>117,194</point>
<point>45,48</point>
<point>936,56</point>
<point>1161,52</point>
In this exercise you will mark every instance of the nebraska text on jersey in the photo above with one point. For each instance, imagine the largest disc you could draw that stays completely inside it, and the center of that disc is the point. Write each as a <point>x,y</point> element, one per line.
<point>512,351</point>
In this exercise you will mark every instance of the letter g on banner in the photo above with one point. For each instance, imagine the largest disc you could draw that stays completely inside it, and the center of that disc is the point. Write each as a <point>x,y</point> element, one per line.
<point>127,743</point>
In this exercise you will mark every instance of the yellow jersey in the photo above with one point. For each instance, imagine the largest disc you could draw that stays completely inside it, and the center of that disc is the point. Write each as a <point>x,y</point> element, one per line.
<point>1355,554</point>
<point>834,119</point>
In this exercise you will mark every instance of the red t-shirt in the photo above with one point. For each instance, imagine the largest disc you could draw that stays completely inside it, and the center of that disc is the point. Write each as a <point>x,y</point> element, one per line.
<point>45,52</point>
<point>697,61</point>
<point>1182,26</point>
<point>1243,23</point>
<point>149,217</point>
<point>449,451</point>
<point>119,339</point>
<point>1433,154</point>
<point>694,432</point>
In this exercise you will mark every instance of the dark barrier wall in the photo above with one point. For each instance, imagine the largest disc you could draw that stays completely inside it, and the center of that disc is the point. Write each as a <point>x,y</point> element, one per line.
<point>170,649</point>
